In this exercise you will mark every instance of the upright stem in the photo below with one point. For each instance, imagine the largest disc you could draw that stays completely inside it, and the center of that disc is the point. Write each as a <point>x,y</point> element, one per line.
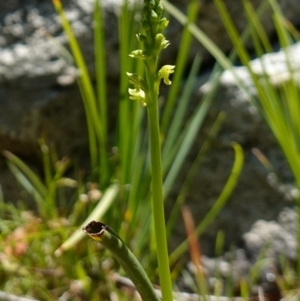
<point>146,92</point>
<point>157,194</point>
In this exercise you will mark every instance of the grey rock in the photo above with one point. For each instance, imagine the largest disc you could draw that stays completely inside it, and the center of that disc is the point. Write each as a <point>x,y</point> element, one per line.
<point>51,116</point>
<point>287,219</point>
<point>231,265</point>
<point>277,66</point>
<point>272,239</point>
<point>28,52</point>
<point>31,38</point>
<point>265,245</point>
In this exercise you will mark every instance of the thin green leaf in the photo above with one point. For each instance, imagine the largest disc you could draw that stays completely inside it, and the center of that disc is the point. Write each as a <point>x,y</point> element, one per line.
<point>179,114</point>
<point>100,63</point>
<point>190,133</point>
<point>186,38</point>
<point>84,78</point>
<point>33,179</point>
<point>219,204</point>
<point>192,172</point>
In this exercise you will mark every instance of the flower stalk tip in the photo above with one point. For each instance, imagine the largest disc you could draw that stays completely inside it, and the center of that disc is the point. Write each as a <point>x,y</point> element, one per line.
<point>153,42</point>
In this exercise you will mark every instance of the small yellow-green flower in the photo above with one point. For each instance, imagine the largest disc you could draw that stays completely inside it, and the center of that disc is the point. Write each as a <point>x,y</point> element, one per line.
<point>140,86</point>
<point>139,95</point>
<point>139,54</point>
<point>165,72</point>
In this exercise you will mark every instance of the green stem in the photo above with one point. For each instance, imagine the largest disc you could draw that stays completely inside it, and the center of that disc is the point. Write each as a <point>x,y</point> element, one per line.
<point>111,241</point>
<point>157,192</point>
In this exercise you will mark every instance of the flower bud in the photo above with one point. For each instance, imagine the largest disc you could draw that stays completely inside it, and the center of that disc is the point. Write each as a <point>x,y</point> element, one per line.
<point>162,24</point>
<point>154,17</point>
<point>160,42</point>
<point>151,4</point>
<point>159,9</point>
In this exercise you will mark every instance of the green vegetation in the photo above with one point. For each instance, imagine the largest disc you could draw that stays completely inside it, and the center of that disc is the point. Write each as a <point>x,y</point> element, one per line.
<point>45,254</point>
<point>279,106</point>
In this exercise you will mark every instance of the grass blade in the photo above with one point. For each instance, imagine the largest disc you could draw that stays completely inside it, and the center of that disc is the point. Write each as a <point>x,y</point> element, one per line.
<point>186,38</point>
<point>220,202</point>
<point>190,133</point>
<point>35,181</point>
<point>178,118</point>
<point>85,82</point>
<point>192,172</point>
<point>100,61</point>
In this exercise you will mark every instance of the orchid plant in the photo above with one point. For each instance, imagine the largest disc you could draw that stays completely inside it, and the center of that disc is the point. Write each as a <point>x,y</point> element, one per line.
<point>146,91</point>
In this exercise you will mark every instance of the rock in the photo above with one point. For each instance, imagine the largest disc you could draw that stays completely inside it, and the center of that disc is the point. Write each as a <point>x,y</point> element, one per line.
<point>287,219</point>
<point>274,65</point>
<point>272,236</point>
<point>30,36</point>
<point>232,265</point>
<point>49,116</point>
<point>266,244</point>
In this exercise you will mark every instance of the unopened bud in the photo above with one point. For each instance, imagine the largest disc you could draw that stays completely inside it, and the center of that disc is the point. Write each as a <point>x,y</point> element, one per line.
<point>159,9</point>
<point>162,24</point>
<point>154,17</point>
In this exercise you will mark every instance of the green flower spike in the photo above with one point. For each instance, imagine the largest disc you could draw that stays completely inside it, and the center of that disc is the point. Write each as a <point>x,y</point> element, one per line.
<point>164,73</point>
